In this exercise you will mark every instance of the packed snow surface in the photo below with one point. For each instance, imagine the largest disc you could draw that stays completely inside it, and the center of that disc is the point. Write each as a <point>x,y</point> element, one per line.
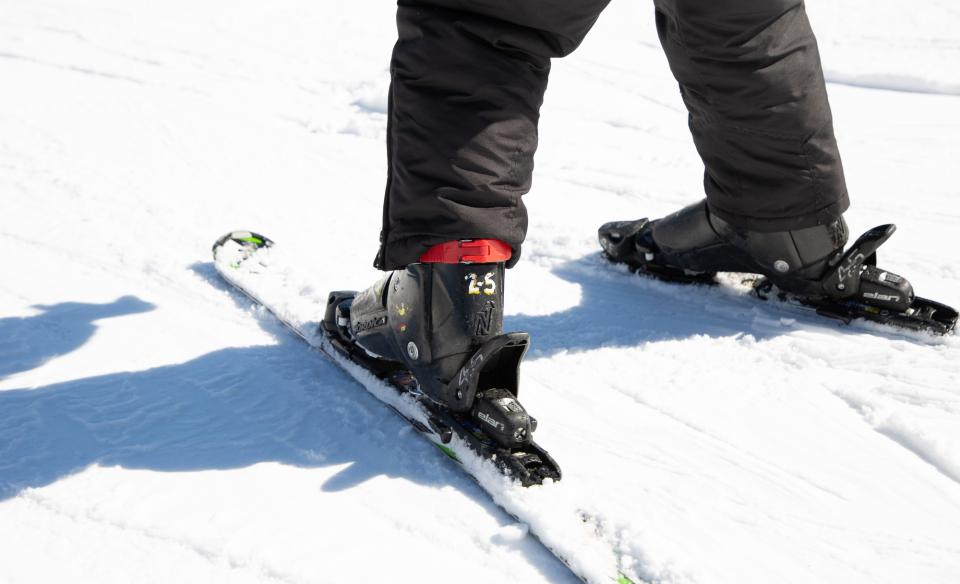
<point>154,427</point>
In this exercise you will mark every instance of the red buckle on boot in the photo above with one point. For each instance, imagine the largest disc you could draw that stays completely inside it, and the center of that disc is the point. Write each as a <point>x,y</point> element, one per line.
<point>468,251</point>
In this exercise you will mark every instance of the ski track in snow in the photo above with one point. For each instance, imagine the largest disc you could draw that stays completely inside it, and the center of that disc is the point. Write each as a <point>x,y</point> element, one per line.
<point>154,427</point>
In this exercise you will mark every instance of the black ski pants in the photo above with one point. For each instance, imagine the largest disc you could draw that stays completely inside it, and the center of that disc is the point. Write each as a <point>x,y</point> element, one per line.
<point>468,78</point>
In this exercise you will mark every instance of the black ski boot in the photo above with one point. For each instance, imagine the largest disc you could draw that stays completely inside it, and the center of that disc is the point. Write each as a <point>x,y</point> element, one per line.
<point>693,245</point>
<point>436,329</point>
<point>806,265</point>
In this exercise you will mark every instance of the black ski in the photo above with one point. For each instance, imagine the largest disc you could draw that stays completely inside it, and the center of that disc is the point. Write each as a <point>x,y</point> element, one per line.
<point>529,464</point>
<point>852,288</point>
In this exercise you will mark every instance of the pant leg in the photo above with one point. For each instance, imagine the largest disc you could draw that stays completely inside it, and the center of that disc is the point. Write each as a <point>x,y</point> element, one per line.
<point>750,75</point>
<point>467,82</point>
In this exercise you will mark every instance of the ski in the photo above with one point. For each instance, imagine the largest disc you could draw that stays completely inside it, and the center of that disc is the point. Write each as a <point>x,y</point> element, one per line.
<point>852,288</point>
<point>241,258</point>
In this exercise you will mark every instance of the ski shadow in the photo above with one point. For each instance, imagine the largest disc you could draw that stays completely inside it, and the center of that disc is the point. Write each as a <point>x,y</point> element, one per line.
<point>228,409</point>
<point>621,309</point>
<point>30,341</point>
<point>231,408</point>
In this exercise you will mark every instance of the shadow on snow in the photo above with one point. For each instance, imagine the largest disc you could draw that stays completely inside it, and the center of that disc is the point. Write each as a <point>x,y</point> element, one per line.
<point>30,341</point>
<point>228,409</point>
<point>621,309</point>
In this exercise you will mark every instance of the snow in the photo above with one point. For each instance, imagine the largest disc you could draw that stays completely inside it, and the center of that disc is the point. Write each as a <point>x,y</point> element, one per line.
<point>154,427</point>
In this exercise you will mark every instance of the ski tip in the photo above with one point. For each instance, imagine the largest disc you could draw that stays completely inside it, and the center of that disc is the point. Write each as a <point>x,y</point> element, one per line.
<point>248,239</point>
<point>243,237</point>
<point>235,247</point>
